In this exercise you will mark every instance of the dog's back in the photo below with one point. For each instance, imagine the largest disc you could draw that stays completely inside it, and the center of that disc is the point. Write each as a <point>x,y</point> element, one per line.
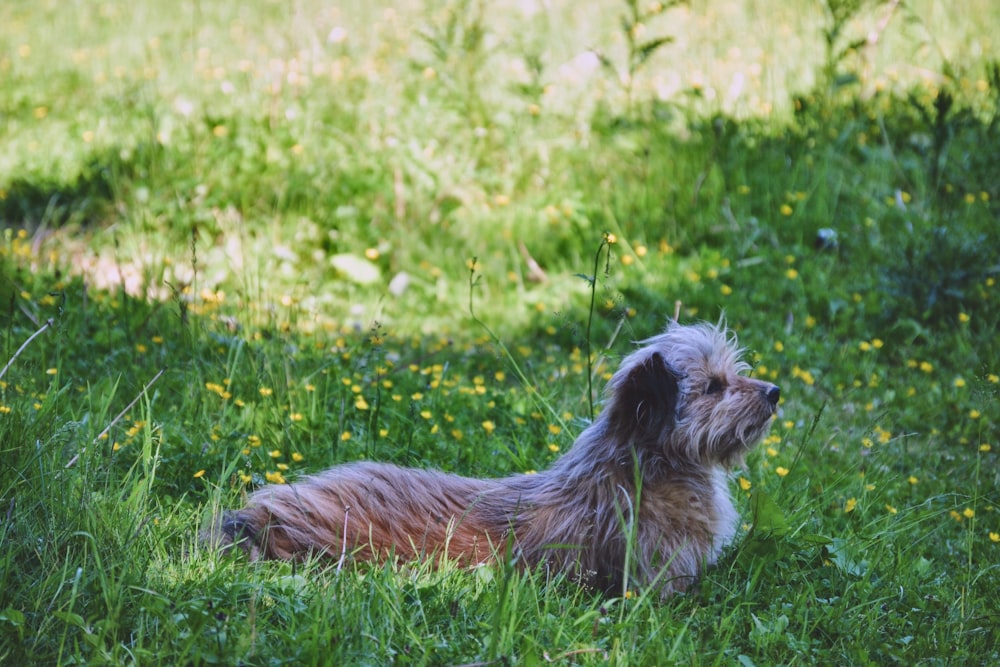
<point>377,509</point>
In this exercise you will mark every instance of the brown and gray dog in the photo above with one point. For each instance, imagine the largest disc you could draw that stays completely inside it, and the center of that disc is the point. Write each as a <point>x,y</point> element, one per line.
<point>649,473</point>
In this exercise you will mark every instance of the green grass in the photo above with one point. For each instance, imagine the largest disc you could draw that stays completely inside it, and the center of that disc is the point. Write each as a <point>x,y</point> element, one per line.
<point>211,200</point>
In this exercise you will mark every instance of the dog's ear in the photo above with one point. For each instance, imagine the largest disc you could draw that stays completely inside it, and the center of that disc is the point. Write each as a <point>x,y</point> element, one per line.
<point>646,400</point>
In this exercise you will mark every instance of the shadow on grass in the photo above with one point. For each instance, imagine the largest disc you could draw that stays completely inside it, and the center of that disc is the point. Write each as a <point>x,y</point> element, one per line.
<point>86,198</point>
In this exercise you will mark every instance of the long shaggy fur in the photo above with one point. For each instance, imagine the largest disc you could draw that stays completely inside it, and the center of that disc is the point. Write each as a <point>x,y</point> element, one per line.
<point>651,468</point>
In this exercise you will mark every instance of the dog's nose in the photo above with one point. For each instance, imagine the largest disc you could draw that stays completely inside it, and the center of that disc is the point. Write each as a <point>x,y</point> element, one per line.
<point>773,394</point>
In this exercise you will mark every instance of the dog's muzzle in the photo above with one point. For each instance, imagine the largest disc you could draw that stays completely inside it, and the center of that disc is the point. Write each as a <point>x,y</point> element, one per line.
<point>773,394</point>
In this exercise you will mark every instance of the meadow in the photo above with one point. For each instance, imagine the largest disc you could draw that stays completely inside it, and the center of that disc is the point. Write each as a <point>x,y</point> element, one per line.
<point>245,241</point>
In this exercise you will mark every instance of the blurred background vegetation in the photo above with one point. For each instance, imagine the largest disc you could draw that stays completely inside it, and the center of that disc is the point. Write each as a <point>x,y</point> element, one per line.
<point>316,152</point>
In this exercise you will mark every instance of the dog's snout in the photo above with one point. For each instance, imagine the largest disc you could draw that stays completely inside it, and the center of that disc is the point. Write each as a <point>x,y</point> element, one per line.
<point>773,394</point>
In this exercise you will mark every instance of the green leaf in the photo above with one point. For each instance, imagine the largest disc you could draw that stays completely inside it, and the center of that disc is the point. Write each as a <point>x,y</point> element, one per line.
<point>13,616</point>
<point>767,516</point>
<point>647,49</point>
<point>71,619</point>
<point>844,555</point>
<point>813,539</point>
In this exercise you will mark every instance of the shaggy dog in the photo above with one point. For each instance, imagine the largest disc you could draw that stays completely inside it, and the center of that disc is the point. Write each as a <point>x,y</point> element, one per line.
<point>641,497</point>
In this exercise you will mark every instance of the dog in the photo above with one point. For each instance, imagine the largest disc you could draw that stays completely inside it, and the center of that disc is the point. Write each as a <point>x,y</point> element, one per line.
<point>641,498</point>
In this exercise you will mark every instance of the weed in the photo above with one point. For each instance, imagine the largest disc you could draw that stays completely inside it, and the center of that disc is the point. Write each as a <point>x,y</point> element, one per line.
<point>639,47</point>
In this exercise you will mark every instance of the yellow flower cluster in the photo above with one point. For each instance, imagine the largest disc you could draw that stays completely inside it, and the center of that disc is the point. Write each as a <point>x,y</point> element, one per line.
<point>130,435</point>
<point>873,344</point>
<point>804,375</point>
<point>219,389</point>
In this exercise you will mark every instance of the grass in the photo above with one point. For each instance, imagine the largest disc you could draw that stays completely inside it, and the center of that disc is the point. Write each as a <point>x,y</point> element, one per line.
<point>252,230</point>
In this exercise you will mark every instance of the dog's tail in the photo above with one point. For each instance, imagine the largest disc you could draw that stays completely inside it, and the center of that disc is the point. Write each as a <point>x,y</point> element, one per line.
<point>234,530</point>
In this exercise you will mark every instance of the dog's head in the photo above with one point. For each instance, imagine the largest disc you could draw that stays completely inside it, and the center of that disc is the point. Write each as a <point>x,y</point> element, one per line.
<point>684,396</point>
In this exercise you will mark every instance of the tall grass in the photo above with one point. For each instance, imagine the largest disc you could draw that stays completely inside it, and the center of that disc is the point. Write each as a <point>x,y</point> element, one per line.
<point>251,226</point>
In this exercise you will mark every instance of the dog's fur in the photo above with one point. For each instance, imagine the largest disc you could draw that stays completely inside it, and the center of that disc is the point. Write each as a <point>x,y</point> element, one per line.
<point>651,468</point>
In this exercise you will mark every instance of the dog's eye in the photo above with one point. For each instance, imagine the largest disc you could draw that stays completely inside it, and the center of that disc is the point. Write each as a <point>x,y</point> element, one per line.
<point>714,386</point>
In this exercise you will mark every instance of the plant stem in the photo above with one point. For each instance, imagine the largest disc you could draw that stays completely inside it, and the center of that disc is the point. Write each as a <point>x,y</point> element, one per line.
<point>24,345</point>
